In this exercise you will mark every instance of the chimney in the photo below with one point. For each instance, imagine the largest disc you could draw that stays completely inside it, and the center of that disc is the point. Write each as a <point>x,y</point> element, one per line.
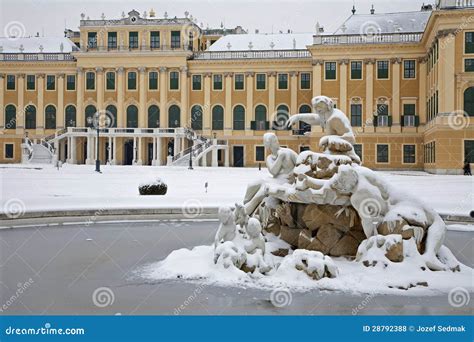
<point>372,10</point>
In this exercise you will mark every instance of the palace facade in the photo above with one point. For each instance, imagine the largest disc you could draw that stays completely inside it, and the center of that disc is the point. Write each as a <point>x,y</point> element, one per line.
<point>171,90</point>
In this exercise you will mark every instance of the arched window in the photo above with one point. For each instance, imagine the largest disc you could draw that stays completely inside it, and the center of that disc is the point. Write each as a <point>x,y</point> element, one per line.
<point>281,117</point>
<point>261,118</point>
<point>50,117</point>
<point>239,117</point>
<point>30,117</point>
<point>132,116</point>
<point>174,116</point>
<point>217,118</point>
<point>153,116</point>
<point>90,111</point>
<point>303,126</point>
<point>70,116</point>
<point>10,117</point>
<point>469,101</point>
<point>111,112</point>
<point>196,117</point>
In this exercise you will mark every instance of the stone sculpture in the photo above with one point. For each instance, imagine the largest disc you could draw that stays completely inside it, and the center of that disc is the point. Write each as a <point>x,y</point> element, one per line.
<point>227,227</point>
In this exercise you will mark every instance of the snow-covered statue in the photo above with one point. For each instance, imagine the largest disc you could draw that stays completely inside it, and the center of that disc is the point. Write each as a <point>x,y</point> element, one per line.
<point>254,232</point>
<point>280,164</point>
<point>227,227</point>
<point>339,138</point>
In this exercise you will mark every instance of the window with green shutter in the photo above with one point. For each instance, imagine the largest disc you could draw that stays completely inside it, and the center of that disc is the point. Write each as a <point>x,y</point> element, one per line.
<point>356,70</point>
<point>174,80</point>
<point>409,154</point>
<point>90,80</point>
<point>30,82</point>
<point>71,82</point>
<point>197,82</point>
<point>382,153</point>
<point>110,80</point>
<point>469,65</point>
<point>382,69</point>
<point>132,80</point>
<point>469,42</point>
<point>330,70</point>
<point>282,81</point>
<point>305,79</point>
<point>260,153</point>
<point>261,81</point>
<point>11,82</point>
<point>217,82</point>
<point>155,39</point>
<point>50,82</point>
<point>133,40</point>
<point>239,82</point>
<point>153,80</point>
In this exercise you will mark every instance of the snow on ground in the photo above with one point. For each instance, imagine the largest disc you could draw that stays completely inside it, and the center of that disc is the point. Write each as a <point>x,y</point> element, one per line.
<point>43,187</point>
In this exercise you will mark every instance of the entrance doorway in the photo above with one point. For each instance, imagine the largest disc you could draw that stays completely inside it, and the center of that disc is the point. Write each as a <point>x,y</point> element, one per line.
<point>128,153</point>
<point>238,154</point>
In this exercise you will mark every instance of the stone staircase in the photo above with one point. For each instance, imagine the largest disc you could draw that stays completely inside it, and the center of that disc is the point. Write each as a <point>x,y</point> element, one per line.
<point>201,146</point>
<point>41,152</point>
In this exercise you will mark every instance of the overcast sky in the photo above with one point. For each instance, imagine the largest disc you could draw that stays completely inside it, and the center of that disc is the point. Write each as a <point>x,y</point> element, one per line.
<point>49,17</point>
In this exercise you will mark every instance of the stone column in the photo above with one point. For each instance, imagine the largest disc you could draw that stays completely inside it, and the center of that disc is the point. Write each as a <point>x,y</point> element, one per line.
<point>100,88</point>
<point>114,152</point>
<point>185,121</point>
<point>271,95</point>
<point>343,85</point>
<point>142,89</point>
<point>249,110</point>
<point>139,152</point>
<point>89,159</point>
<point>207,105</point>
<point>40,105</point>
<point>294,92</point>
<point>120,97</point>
<point>317,77</point>
<point>134,150</point>
<point>176,145</point>
<point>226,156</point>
<point>163,97</point>
<point>60,112</point>
<point>395,110</point>
<point>153,159</point>
<point>73,148</point>
<point>109,151</point>
<point>20,113</point>
<point>2,101</point>
<point>80,120</point>
<point>158,152</point>
<point>228,103</point>
<point>446,78</point>
<point>214,161</point>
<point>369,91</point>
<point>422,89</point>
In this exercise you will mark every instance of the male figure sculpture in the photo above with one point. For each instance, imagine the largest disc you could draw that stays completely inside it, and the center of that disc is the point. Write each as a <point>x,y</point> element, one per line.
<point>339,137</point>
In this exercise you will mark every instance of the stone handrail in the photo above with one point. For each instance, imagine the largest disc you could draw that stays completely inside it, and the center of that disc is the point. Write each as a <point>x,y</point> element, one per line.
<point>28,57</point>
<point>252,54</point>
<point>385,38</point>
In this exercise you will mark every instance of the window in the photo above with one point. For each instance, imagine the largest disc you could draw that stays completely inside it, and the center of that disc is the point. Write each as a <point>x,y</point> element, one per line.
<point>409,115</point>
<point>469,64</point>
<point>10,117</point>
<point>217,82</point>
<point>153,116</point>
<point>303,126</point>
<point>382,153</point>
<point>239,118</point>
<point>356,70</point>
<point>409,69</point>
<point>260,123</point>
<point>133,40</point>
<point>132,80</point>
<point>382,119</point>
<point>30,117</point>
<point>50,117</point>
<point>90,80</point>
<point>71,82</point>
<point>260,153</point>
<point>11,82</point>
<point>174,116</point>
<point>356,115</point>
<point>92,40</point>
<point>70,116</point>
<point>197,82</point>
<point>110,80</point>
<point>9,151</point>
<point>382,70</point>
<point>132,116</point>
<point>153,80</point>
<point>218,118</point>
<point>468,101</point>
<point>469,151</point>
<point>239,82</point>
<point>111,112</point>
<point>155,39</point>
<point>196,117</point>
<point>50,82</point>
<point>261,81</point>
<point>30,82</point>
<point>282,116</point>
<point>358,150</point>
<point>330,70</point>
<point>112,40</point>
<point>469,42</point>
<point>90,112</point>
<point>305,79</point>
<point>409,154</point>
<point>282,81</point>
<point>174,80</point>
<point>175,39</point>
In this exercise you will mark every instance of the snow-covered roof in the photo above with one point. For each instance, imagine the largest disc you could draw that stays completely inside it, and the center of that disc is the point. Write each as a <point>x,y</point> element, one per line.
<point>262,41</point>
<point>32,45</point>
<point>385,23</point>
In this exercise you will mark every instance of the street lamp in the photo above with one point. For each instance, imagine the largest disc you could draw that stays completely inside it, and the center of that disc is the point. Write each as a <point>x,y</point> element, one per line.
<point>94,121</point>
<point>191,152</point>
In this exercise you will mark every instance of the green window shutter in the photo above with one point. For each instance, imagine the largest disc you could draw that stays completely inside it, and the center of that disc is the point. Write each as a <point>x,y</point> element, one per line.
<point>374,120</point>
<point>417,120</point>
<point>389,120</point>
<point>402,122</point>
<point>267,124</point>
<point>252,125</point>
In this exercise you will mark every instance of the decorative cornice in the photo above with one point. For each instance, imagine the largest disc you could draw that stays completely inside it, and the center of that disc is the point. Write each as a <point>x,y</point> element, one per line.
<point>99,69</point>
<point>183,69</point>
<point>163,69</point>
<point>317,62</point>
<point>369,61</point>
<point>396,60</point>
<point>141,69</point>
<point>249,73</point>
<point>228,74</point>
<point>120,70</point>
<point>422,60</point>
<point>61,75</point>
<point>293,73</point>
<point>21,75</point>
<point>79,70</point>
<point>446,33</point>
<point>343,61</point>
<point>2,75</point>
<point>41,75</point>
<point>207,74</point>
<point>272,73</point>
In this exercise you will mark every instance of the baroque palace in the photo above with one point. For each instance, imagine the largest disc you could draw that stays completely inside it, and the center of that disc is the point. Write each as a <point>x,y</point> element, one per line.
<point>162,91</point>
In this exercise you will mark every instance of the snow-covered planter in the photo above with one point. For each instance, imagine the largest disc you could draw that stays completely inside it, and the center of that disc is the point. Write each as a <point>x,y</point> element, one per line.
<point>154,187</point>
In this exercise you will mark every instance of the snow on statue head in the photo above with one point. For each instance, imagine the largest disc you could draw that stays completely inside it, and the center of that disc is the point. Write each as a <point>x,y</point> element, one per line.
<point>322,105</point>
<point>270,141</point>
<point>227,228</point>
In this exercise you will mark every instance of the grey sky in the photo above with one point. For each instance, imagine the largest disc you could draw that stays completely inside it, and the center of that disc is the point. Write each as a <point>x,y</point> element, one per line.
<point>49,16</point>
